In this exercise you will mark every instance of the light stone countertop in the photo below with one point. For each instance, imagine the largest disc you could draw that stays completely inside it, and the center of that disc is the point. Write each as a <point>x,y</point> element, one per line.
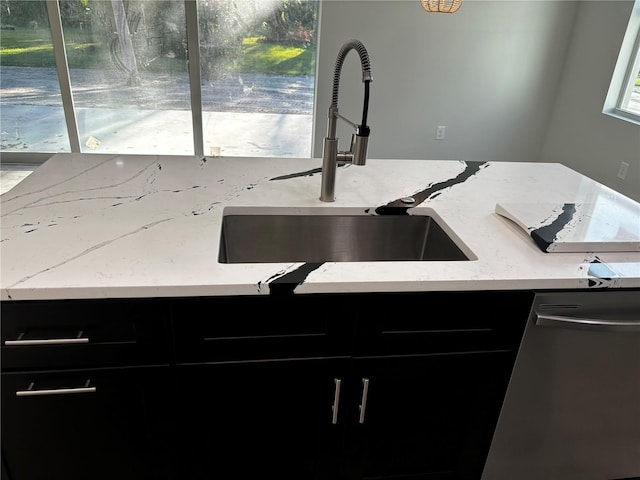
<point>116,226</point>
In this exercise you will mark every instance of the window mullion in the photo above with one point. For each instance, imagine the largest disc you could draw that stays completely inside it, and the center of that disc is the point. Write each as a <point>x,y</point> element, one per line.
<point>59,51</point>
<point>631,76</point>
<point>193,60</point>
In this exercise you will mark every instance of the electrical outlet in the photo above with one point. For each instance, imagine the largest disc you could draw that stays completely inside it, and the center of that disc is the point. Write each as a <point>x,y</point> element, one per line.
<point>440,132</point>
<point>622,171</point>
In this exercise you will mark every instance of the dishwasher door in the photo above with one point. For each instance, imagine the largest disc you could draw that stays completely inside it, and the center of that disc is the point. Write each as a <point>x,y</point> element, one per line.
<point>572,408</point>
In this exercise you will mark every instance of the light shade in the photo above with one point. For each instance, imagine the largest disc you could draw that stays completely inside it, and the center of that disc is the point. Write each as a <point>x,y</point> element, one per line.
<point>445,6</point>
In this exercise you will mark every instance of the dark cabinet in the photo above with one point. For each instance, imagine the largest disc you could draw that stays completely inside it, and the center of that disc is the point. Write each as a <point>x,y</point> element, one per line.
<point>430,371</point>
<point>258,420</point>
<point>83,333</point>
<point>98,424</point>
<point>257,386</point>
<point>398,386</point>
<point>84,390</point>
<point>424,417</point>
<point>227,329</point>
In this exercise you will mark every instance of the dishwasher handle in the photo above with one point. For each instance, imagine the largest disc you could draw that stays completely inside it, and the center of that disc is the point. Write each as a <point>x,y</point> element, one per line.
<point>594,324</point>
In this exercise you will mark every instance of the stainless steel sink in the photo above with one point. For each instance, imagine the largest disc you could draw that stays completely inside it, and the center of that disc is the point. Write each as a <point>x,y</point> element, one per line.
<point>335,234</point>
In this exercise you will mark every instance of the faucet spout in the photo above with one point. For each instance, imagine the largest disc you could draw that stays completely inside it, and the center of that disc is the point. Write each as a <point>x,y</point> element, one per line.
<point>357,153</point>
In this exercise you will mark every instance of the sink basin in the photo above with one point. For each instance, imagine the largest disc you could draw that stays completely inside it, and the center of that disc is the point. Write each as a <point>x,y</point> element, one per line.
<point>335,234</point>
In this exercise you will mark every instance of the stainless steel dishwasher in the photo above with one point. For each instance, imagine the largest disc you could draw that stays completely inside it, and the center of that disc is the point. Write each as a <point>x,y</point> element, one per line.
<point>572,408</point>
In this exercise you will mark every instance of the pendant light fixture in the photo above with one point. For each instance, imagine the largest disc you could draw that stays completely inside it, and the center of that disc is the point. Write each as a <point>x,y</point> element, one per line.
<point>443,6</point>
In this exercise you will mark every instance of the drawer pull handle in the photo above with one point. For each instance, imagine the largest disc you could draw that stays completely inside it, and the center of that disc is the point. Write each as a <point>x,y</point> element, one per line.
<point>596,324</point>
<point>47,341</point>
<point>336,400</point>
<point>363,403</point>
<point>30,392</point>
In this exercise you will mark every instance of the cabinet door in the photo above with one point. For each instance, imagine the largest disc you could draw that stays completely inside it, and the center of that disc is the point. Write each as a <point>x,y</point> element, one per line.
<point>98,424</point>
<point>259,419</point>
<point>425,417</point>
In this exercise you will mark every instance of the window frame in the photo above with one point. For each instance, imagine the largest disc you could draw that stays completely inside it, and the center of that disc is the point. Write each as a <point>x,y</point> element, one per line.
<point>626,71</point>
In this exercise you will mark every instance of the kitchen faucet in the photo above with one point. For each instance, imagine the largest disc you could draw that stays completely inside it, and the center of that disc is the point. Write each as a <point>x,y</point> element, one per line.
<point>357,153</point>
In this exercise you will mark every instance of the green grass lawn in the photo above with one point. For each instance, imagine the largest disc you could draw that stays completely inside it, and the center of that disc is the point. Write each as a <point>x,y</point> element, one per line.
<point>29,47</point>
<point>26,48</point>
<point>264,57</point>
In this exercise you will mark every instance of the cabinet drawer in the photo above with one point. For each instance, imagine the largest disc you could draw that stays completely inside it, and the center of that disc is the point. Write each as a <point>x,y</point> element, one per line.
<point>60,334</point>
<point>102,424</point>
<point>261,327</point>
<point>441,322</point>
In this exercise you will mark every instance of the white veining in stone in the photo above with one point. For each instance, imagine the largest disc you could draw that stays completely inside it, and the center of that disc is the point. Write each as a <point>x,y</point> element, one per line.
<point>103,226</point>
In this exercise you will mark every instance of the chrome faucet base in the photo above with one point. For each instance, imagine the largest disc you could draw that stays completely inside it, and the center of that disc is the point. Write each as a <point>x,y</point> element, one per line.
<point>329,167</point>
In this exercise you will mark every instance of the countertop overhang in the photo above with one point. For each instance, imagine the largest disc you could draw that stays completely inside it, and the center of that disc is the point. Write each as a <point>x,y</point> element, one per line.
<point>123,226</point>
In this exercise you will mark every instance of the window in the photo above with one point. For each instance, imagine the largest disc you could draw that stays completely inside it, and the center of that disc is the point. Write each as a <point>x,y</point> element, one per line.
<point>204,77</point>
<point>623,98</point>
<point>31,116</point>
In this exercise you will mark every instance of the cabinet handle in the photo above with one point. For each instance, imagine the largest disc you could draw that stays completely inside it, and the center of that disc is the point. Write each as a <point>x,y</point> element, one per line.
<point>47,341</point>
<point>336,400</point>
<point>596,324</point>
<point>363,403</point>
<point>30,392</point>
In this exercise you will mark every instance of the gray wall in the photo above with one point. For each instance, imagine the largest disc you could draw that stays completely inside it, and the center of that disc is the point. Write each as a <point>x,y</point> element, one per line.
<point>489,73</point>
<point>579,135</point>
<point>496,73</point>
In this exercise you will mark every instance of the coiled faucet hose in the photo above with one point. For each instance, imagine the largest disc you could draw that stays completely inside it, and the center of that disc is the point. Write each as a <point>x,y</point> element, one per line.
<point>364,61</point>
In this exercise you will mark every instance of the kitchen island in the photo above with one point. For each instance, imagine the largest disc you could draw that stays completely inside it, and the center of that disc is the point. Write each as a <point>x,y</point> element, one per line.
<point>130,351</point>
<point>101,226</point>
